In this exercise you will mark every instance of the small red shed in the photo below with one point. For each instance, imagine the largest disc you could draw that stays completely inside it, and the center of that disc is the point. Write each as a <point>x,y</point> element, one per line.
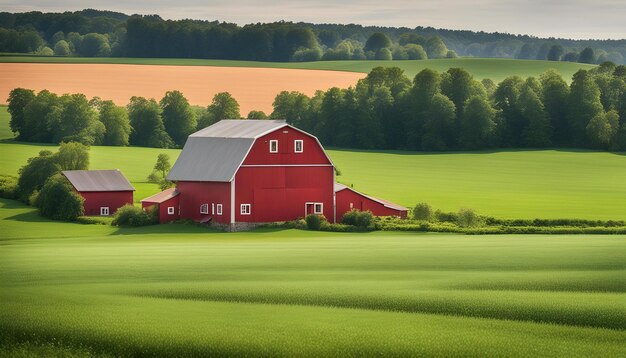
<point>166,202</point>
<point>104,191</point>
<point>347,199</point>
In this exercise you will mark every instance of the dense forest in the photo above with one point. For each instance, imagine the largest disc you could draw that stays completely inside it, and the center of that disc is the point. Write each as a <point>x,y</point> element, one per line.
<point>386,110</point>
<point>105,33</point>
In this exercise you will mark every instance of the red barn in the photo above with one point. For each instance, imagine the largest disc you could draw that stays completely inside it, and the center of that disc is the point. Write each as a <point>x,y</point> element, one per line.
<point>166,202</point>
<point>250,171</point>
<point>348,199</point>
<point>104,191</point>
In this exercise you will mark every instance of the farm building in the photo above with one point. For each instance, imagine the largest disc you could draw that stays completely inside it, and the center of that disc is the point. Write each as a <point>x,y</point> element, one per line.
<point>348,199</point>
<point>237,172</point>
<point>104,191</point>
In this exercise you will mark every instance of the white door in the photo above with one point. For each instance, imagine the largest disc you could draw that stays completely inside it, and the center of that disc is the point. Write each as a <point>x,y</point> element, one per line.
<point>104,211</point>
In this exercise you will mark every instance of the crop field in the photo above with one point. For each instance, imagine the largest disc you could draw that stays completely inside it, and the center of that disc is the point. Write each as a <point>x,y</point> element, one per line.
<point>182,290</point>
<point>253,84</point>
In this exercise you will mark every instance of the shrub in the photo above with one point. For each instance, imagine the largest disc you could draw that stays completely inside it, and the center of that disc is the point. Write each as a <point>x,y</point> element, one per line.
<point>57,200</point>
<point>467,218</point>
<point>360,219</point>
<point>8,187</point>
<point>445,217</point>
<point>315,221</point>
<point>423,212</point>
<point>130,215</point>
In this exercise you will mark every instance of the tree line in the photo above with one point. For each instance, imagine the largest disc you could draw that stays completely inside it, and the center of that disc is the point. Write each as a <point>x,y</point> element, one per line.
<point>385,110</point>
<point>105,33</point>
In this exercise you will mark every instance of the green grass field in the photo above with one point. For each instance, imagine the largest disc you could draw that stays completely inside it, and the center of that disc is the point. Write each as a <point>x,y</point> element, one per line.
<point>182,290</point>
<point>494,68</point>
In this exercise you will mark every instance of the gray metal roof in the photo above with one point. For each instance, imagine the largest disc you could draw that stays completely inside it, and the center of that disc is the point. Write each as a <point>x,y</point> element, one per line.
<point>240,128</point>
<point>98,180</point>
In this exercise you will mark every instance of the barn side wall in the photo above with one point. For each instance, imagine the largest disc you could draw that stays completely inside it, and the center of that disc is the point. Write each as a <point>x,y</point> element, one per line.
<point>94,200</point>
<point>194,194</point>
<point>279,193</point>
<point>346,197</point>
<point>164,217</point>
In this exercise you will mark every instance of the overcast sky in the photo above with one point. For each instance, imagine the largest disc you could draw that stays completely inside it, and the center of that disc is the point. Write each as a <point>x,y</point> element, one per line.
<point>545,18</point>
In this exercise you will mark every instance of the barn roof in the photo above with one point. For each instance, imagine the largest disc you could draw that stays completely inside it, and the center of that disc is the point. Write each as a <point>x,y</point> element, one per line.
<point>340,187</point>
<point>162,196</point>
<point>216,152</point>
<point>98,180</point>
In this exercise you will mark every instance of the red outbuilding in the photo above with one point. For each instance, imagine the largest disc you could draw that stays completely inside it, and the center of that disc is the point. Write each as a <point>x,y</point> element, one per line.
<point>250,171</point>
<point>104,191</point>
<point>166,202</point>
<point>348,199</point>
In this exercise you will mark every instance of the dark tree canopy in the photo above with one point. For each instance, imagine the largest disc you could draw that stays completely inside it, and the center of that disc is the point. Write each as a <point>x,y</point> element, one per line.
<point>178,117</point>
<point>148,128</point>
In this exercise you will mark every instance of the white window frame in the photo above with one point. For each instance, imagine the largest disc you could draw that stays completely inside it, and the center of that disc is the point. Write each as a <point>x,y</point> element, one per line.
<point>219,209</point>
<point>212,208</point>
<point>245,209</point>
<point>274,141</point>
<point>295,146</point>
<point>104,211</point>
<point>320,211</point>
<point>204,209</point>
<point>170,210</point>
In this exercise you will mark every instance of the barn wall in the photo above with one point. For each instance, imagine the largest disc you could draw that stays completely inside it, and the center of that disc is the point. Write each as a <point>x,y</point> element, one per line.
<point>280,193</point>
<point>312,153</point>
<point>113,199</point>
<point>162,207</point>
<point>194,194</point>
<point>346,197</point>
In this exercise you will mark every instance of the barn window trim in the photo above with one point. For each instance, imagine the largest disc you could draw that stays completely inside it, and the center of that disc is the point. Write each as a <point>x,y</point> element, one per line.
<point>104,211</point>
<point>295,146</point>
<point>204,209</point>
<point>219,209</point>
<point>274,146</point>
<point>245,209</point>
<point>170,210</point>
<point>321,208</point>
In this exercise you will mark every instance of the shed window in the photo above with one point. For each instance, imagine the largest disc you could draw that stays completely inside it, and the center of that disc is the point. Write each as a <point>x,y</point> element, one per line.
<point>273,146</point>
<point>170,210</point>
<point>318,208</point>
<point>104,211</point>
<point>219,209</point>
<point>245,209</point>
<point>299,145</point>
<point>204,209</point>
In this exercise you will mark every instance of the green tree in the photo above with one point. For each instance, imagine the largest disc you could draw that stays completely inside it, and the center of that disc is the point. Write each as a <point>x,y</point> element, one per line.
<point>34,174</point>
<point>257,115</point>
<point>537,131</point>
<point>384,54</point>
<point>116,123</point>
<point>290,106</point>
<point>147,124</point>
<point>555,53</point>
<point>72,156</point>
<point>95,45</point>
<point>38,117</point>
<point>76,120</point>
<point>415,52</point>
<point>583,105</point>
<point>439,124</point>
<point>224,106</point>
<point>478,124</point>
<point>426,84</point>
<point>370,126</point>
<point>587,56</point>
<point>162,165</point>
<point>178,117</point>
<point>57,200</point>
<point>459,85</point>
<point>62,48</point>
<point>436,48</point>
<point>377,41</point>
<point>506,98</point>
<point>554,97</point>
<point>18,99</point>
<point>602,129</point>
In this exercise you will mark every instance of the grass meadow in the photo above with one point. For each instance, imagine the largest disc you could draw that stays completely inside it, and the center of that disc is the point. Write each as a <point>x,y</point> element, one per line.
<point>513,184</point>
<point>496,69</point>
<point>176,290</point>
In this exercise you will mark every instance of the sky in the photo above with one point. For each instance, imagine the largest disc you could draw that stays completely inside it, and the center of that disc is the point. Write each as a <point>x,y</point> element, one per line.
<point>577,19</point>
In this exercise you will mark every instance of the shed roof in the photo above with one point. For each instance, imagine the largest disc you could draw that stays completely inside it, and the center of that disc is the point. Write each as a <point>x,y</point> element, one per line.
<point>98,180</point>
<point>162,196</point>
<point>215,153</point>
<point>340,187</point>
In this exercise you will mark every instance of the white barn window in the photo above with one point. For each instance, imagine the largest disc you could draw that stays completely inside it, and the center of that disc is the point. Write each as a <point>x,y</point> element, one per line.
<point>318,208</point>
<point>219,209</point>
<point>104,211</point>
<point>204,209</point>
<point>298,146</point>
<point>170,210</point>
<point>245,209</point>
<point>273,146</point>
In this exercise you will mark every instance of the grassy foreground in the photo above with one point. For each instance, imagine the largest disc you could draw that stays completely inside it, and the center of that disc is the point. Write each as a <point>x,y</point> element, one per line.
<point>181,290</point>
<point>494,68</point>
